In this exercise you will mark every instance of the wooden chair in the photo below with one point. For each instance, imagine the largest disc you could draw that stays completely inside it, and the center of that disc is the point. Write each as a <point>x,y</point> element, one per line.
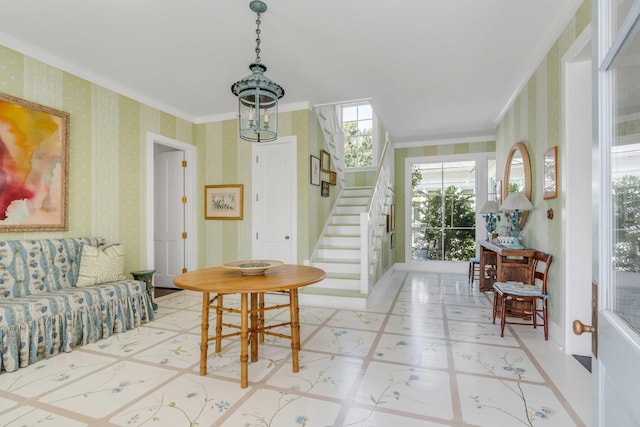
<point>525,301</point>
<point>474,268</point>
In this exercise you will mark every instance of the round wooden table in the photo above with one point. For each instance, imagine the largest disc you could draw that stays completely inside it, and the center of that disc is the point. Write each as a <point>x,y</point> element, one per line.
<point>220,281</point>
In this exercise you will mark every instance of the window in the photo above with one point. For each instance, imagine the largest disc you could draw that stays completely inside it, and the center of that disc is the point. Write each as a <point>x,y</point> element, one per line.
<point>358,125</point>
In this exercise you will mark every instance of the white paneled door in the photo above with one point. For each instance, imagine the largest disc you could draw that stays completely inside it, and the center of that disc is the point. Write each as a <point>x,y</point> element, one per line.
<point>617,187</point>
<point>169,217</point>
<point>274,200</point>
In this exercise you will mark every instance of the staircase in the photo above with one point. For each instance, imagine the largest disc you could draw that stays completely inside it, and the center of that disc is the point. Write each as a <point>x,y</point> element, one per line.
<point>338,251</point>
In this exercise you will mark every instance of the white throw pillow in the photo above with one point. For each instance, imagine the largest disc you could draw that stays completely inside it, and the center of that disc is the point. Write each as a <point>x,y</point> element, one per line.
<point>101,265</point>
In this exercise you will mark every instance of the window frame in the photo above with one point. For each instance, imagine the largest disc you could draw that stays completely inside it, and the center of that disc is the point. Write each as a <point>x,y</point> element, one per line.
<point>375,135</point>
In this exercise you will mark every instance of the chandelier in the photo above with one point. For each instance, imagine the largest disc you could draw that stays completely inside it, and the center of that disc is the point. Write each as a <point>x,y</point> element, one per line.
<point>257,95</point>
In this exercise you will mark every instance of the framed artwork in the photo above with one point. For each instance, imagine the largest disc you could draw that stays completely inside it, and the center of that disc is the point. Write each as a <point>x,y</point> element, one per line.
<point>325,161</point>
<point>223,201</point>
<point>325,189</point>
<point>315,170</point>
<point>393,216</point>
<point>34,166</point>
<point>392,238</point>
<point>388,217</point>
<point>333,178</point>
<point>550,173</point>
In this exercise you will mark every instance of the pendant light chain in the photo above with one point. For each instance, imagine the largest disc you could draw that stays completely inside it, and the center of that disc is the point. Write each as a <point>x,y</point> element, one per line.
<point>258,38</point>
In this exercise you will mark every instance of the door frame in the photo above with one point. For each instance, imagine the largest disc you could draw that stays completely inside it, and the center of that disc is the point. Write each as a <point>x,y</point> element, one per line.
<point>190,155</point>
<point>576,246</point>
<point>292,141</point>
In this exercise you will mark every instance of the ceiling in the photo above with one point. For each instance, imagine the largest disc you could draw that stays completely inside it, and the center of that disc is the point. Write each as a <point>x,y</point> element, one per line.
<point>432,68</point>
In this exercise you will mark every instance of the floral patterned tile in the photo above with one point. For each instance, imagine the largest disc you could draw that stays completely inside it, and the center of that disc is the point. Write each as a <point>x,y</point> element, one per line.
<point>417,309</point>
<point>511,363</point>
<point>163,311</point>
<point>416,326</point>
<point>320,374</point>
<point>360,417</point>
<point>6,403</point>
<point>188,400</point>
<point>130,342</point>
<point>52,373</point>
<point>468,300</point>
<point>30,416</point>
<point>342,341</point>
<point>485,333</point>
<point>181,351</point>
<point>182,301</point>
<point>487,401</point>
<point>107,390</point>
<point>268,408</point>
<point>421,296</point>
<point>309,314</point>
<point>409,389</point>
<point>227,362</point>
<point>358,320</point>
<point>182,320</point>
<point>417,351</point>
<point>470,314</point>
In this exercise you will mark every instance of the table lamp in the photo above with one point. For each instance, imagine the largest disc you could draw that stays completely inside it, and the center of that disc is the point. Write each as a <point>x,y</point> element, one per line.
<point>488,212</point>
<point>513,207</point>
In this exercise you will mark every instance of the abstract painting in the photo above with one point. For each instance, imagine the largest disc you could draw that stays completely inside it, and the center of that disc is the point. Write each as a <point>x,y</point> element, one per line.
<point>34,151</point>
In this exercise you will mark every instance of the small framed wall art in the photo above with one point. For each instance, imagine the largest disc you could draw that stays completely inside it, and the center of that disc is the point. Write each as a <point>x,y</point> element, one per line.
<point>550,173</point>
<point>314,168</point>
<point>325,161</point>
<point>223,201</point>
<point>333,178</point>
<point>325,189</point>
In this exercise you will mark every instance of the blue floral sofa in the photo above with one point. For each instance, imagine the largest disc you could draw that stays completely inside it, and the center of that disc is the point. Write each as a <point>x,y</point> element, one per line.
<point>43,312</point>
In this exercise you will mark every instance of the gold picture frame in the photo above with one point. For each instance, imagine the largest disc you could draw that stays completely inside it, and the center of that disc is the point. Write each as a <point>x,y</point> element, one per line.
<point>223,201</point>
<point>34,142</point>
<point>325,161</point>
<point>550,173</point>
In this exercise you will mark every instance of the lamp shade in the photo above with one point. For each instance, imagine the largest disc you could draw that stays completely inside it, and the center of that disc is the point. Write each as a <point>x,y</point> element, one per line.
<point>516,201</point>
<point>490,206</point>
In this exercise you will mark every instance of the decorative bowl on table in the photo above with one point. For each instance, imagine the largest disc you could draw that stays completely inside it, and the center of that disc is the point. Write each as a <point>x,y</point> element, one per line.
<point>253,267</point>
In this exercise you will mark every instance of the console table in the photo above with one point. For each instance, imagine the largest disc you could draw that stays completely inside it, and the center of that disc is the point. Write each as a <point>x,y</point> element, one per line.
<point>511,264</point>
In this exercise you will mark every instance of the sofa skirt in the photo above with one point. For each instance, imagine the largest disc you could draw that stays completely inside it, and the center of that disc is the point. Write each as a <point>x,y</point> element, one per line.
<point>40,326</point>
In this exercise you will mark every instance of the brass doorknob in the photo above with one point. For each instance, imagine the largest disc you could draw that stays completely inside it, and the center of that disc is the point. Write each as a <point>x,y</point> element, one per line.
<point>287,237</point>
<point>579,328</point>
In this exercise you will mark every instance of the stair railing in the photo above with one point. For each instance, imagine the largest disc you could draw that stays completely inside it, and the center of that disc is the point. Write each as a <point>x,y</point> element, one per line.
<point>373,221</point>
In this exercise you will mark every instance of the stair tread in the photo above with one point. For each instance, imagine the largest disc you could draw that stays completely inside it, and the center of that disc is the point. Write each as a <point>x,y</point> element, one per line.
<point>332,292</point>
<point>335,261</point>
<point>334,247</point>
<point>348,276</point>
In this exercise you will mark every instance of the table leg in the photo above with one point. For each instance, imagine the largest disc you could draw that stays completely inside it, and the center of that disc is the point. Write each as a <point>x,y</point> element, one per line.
<point>204,337</point>
<point>254,327</point>
<point>295,328</point>
<point>218,323</point>
<point>261,316</point>
<point>244,328</point>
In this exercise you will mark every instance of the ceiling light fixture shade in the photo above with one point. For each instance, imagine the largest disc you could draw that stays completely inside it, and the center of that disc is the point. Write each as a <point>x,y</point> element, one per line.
<point>257,95</point>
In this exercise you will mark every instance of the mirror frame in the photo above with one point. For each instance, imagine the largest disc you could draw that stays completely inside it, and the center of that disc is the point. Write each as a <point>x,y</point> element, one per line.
<point>526,163</point>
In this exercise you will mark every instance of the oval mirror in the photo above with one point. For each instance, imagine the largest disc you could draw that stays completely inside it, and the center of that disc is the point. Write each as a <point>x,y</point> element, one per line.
<point>517,174</point>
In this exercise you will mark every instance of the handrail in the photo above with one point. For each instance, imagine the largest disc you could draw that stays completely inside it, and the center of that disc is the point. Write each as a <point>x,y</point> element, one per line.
<point>371,222</point>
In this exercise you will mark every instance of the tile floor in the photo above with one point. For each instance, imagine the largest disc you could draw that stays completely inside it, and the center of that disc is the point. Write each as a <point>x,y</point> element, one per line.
<point>425,354</point>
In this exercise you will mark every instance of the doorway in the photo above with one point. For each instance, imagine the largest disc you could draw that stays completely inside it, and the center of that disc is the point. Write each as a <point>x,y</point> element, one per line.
<point>171,199</point>
<point>576,190</point>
